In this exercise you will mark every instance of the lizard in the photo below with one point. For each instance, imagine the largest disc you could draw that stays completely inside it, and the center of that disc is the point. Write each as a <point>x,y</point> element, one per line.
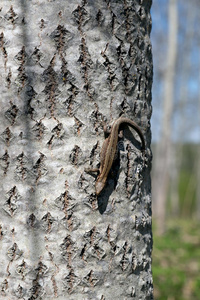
<point>108,152</point>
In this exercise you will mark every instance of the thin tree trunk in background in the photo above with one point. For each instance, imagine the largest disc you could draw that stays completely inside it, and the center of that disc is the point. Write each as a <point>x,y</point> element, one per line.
<point>163,151</point>
<point>198,170</point>
<point>66,68</point>
<point>177,148</point>
<point>198,186</point>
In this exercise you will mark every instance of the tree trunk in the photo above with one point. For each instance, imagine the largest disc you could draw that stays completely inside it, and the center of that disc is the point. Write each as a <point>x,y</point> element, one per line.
<point>67,68</point>
<point>197,187</point>
<point>163,151</point>
<point>182,113</point>
<point>198,168</point>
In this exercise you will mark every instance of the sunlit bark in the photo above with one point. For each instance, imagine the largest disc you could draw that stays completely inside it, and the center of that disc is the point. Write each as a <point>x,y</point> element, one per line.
<point>67,67</point>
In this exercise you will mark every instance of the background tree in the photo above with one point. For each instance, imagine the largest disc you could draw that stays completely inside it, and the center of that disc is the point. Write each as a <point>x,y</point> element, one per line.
<point>67,67</point>
<point>179,186</point>
<point>164,148</point>
<point>179,243</point>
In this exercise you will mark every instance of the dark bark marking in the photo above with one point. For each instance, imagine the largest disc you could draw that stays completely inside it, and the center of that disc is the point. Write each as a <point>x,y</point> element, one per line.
<point>112,15</point>
<point>12,113</point>
<point>51,88</point>
<point>32,221</point>
<point>7,136</point>
<point>79,124</point>
<point>39,130</point>
<point>83,250</point>
<point>22,269</point>
<point>36,289</point>
<point>21,59</point>
<point>70,281</point>
<point>108,233</point>
<point>99,17</point>
<point>124,261</point>
<point>81,16</point>
<point>1,232</point>
<point>90,236</point>
<point>60,36</point>
<point>74,91</point>
<point>3,49</point>
<point>55,288</point>
<point>20,291</point>
<point>94,152</point>
<point>67,250</point>
<point>37,56</point>
<point>14,252</point>
<point>8,79</point>
<point>57,133</point>
<point>21,170</point>
<point>11,16</point>
<point>4,284</point>
<point>74,156</point>
<point>39,168</point>
<point>47,221</point>
<point>109,68</point>
<point>42,24</point>
<point>10,206</point>
<point>53,280</point>
<point>5,161</point>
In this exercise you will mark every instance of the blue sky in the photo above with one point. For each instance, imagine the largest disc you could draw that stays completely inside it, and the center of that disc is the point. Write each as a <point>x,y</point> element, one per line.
<point>186,116</point>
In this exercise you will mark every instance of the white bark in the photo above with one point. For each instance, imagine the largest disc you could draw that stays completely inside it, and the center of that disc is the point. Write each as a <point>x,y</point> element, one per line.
<point>66,67</point>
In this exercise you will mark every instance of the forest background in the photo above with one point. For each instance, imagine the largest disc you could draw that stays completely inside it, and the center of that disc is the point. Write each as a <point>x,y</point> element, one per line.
<point>176,149</point>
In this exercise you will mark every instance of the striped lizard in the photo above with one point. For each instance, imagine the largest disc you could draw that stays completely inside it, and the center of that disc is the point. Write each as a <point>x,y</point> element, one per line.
<point>109,149</point>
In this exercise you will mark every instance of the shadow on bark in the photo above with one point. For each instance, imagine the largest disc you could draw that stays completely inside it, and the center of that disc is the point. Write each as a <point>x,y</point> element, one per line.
<point>26,93</point>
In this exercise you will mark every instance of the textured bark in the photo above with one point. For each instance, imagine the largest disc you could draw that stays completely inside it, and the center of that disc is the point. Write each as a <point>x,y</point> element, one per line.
<point>66,68</point>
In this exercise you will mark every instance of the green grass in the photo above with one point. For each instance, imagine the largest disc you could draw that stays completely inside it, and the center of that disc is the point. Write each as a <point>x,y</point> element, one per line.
<point>176,262</point>
<point>187,192</point>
